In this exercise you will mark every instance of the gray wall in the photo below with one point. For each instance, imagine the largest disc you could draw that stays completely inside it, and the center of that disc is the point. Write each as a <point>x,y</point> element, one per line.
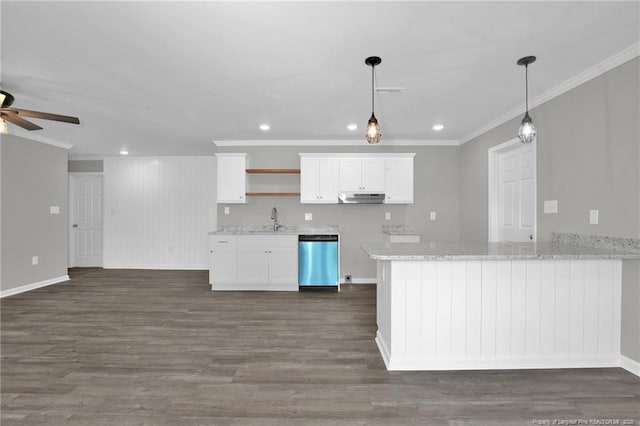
<point>588,158</point>
<point>34,177</point>
<point>437,188</point>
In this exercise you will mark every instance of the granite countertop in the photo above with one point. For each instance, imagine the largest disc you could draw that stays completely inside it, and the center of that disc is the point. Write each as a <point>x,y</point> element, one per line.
<point>489,251</point>
<point>268,229</point>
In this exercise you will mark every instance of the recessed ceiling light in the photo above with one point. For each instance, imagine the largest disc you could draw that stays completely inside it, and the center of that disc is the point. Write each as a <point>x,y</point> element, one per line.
<point>265,127</point>
<point>352,126</point>
<point>438,127</point>
<point>124,152</point>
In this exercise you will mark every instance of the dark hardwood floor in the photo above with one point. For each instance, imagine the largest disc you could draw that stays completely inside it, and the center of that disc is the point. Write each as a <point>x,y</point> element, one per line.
<point>135,347</point>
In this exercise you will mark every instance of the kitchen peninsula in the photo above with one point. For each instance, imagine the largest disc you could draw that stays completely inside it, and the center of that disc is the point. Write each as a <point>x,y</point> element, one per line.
<point>448,306</point>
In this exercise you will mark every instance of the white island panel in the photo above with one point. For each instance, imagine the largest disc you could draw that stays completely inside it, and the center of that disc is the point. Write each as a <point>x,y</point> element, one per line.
<point>470,314</point>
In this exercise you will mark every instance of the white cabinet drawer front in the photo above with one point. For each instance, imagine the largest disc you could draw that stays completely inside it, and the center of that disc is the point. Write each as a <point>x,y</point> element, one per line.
<point>267,240</point>
<point>222,240</point>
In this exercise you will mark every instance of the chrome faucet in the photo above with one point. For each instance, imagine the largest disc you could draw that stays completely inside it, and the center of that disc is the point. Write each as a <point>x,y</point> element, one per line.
<point>274,217</point>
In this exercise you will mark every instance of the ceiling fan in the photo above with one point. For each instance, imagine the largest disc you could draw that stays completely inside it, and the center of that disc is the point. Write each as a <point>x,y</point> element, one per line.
<point>16,115</point>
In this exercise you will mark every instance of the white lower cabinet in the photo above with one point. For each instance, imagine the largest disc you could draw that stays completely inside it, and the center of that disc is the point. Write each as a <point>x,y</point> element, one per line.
<point>222,260</point>
<point>283,266</point>
<point>261,262</point>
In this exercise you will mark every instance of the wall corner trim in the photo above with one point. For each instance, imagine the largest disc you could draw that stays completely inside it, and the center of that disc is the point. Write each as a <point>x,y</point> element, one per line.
<point>630,365</point>
<point>33,286</point>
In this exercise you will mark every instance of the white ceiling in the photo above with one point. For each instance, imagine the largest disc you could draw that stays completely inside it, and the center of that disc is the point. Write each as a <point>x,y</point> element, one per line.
<point>168,78</point>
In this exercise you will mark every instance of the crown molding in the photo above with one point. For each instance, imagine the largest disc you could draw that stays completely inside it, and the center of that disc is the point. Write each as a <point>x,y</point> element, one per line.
<point>332,142</point>
<point>578,79</point>
<point>42,139</point>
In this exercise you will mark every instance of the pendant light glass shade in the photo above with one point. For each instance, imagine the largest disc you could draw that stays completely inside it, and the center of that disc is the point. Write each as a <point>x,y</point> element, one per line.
<point>527,131</point>
<point>373,128</point>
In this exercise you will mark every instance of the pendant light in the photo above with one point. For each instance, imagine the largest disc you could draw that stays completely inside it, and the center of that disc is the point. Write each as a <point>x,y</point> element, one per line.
<point>527,131</point>
<point>373,128</point>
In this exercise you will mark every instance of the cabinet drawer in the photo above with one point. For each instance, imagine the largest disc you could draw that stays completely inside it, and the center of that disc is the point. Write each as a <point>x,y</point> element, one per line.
<point>267,240</point>
<point>223,240</point>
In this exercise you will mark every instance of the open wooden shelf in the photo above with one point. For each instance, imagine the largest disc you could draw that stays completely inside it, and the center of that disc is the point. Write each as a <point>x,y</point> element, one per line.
<point>273,170</point>
<point>273,194</point>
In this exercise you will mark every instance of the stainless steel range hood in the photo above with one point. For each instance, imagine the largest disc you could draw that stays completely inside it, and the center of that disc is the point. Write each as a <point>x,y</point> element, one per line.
<point>361,198</point>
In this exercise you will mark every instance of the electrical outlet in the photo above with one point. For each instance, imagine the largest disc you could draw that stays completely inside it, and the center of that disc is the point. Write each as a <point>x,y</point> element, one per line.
<point>551,206</point>
<point>226,210</point>
<point>54,209</point>
<point>593,217</point>
<point>432,215</point>
<point>347,278</point>
<point>34,260</point>
<point>308,216</point>
<point>387,216</point>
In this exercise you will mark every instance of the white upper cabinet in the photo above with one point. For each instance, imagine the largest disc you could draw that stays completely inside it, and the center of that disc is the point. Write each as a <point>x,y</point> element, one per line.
<point>231,177</point>
<point>398,178</point>
<point>359,174</point>
<point>318,180</point>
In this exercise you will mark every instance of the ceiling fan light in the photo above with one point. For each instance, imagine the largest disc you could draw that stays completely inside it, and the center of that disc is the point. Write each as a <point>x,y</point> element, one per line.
<point>527,131</point>
<point>373,130</point>
<point>3,127</point>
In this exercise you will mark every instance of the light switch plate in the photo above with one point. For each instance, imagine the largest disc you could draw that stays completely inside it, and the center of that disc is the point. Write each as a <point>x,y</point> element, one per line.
<point>34,260</point>
<point>387,216</point>
<point>551,206</point>
<point>54,209</point>
<point>593,217</point>
<point>226,210</point>
<point>432,215</point>
<point>308,216</point>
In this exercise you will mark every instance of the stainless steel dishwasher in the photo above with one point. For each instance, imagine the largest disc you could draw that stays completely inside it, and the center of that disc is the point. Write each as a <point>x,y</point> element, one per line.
<point>318,261</point>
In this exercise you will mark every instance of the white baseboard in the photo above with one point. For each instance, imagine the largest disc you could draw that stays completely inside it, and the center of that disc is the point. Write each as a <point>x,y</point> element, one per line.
<point>630,365</point>
<point>160,268</point>
<point>33,286</point>
<point>359,281</point>
<point>499,364</point>
<point>384,351</point>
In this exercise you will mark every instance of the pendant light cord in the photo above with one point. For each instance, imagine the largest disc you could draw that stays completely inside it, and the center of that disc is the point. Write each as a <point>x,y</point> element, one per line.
<point>526,85</point>
<point>372,90</point>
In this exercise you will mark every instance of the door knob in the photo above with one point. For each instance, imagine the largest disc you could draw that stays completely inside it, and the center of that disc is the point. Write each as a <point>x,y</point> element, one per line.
<point>75,225</point>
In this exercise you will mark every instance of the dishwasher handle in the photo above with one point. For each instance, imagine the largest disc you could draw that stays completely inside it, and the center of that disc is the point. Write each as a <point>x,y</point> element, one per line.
<point>318,237</point>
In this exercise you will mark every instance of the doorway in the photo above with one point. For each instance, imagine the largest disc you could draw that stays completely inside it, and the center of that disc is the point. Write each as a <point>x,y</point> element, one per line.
<point>85,219</point>
<point>512,192</point>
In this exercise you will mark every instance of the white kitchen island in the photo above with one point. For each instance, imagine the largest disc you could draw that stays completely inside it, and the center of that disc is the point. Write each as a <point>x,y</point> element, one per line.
<point>448,306</point>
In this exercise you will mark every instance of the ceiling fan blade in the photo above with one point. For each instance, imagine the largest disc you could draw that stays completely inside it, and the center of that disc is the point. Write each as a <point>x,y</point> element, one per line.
<point>44,115</point>
<point>11,117</point>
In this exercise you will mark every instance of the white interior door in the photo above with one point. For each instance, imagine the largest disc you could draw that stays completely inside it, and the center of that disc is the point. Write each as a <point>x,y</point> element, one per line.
<point>516,192</point>
<point>512,192</point>
<point>86,227</point>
